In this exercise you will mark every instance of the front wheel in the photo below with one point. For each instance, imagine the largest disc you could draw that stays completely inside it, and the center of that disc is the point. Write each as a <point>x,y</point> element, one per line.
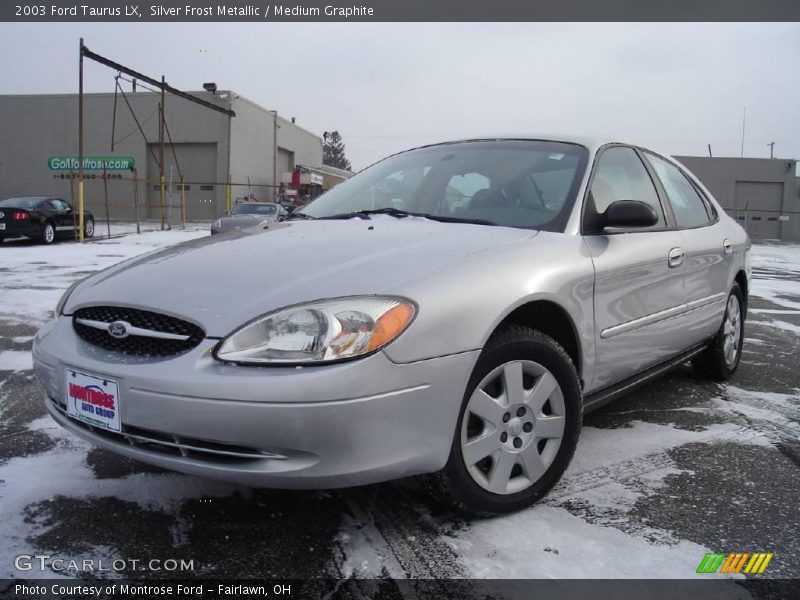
<point>88,228</point>
<point>518,427</point>
<point>721,359</point>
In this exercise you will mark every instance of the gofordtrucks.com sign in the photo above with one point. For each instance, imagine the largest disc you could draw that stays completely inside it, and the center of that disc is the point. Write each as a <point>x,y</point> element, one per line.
<point>91,163</point>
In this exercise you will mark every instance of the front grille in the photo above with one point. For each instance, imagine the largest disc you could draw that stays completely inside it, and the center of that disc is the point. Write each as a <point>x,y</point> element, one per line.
<point>137,345</point>
<point>174,445</point>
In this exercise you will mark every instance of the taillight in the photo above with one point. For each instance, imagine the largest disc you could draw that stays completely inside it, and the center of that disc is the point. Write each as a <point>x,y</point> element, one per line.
<point>20,216</point>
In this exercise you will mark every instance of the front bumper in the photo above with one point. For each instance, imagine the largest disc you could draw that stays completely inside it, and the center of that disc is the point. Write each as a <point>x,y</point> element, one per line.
<point>338,425</point>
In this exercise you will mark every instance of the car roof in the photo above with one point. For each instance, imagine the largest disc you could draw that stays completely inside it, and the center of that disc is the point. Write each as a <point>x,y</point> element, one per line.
<point>589,141</point>
<point>28,198</point>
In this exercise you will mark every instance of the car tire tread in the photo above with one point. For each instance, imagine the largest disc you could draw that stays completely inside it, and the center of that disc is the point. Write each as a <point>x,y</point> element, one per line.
<point>711,362</point>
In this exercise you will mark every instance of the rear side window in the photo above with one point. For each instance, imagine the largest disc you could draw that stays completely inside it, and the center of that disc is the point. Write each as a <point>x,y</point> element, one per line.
<point>621,175</point>
<point>687,204</point>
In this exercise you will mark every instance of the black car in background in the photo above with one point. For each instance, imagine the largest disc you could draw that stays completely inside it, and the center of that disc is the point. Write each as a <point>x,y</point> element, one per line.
<point>41,218</point>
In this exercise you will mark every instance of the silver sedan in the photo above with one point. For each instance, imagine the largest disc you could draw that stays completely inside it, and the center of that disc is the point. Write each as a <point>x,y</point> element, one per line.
<point>248,214</point>
<point>450,312</point>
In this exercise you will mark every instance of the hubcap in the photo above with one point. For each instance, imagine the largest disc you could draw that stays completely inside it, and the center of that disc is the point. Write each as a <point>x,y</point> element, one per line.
<point>89,228</point>
<point>49,233</point>
<point>512,427</point>
<point>732,331</point>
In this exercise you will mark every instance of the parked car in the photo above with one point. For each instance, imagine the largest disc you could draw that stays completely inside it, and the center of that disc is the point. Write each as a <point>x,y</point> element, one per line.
<point>398,334</point>
<point>247,214</point>
<point>41,218</point>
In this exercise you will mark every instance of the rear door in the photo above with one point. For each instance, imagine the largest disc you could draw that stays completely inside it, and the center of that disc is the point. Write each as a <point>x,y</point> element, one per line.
<point>709,252</point>
<point>639,273</point>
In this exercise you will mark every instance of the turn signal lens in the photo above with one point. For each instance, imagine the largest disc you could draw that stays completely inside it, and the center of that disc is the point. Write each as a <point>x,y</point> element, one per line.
<point>391,324</point>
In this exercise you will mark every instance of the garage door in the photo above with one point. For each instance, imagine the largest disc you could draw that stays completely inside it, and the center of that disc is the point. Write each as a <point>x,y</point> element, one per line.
<point>198,163</point>
<point>763,202</point>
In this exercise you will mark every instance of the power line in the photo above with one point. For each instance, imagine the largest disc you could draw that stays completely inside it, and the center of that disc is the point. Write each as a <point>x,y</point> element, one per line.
<point>133,114</point>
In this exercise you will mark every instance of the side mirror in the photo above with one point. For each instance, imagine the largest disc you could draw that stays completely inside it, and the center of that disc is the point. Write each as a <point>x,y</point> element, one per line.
<point>628,213</point>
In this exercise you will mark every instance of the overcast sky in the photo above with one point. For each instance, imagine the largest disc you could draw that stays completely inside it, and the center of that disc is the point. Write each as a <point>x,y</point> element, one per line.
<point>386,87</point>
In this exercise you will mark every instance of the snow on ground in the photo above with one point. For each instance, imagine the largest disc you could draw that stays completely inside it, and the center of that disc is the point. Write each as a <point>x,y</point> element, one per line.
<point>15,360</point>
<point>30,293</point>
<point>776,275</point>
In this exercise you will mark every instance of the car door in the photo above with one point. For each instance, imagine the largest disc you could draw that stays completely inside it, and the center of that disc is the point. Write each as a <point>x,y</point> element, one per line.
<point>709,252</point>
<point>65,219</point>
<point>54,212</point>
<point>49,212</point>
<point>639,273</point>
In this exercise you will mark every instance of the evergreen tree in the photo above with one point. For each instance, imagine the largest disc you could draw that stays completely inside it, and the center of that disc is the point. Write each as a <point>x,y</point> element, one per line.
<point>333,152</point>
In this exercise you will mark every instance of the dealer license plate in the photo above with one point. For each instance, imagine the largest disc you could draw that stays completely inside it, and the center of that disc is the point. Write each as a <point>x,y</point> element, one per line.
<point>93,400</point>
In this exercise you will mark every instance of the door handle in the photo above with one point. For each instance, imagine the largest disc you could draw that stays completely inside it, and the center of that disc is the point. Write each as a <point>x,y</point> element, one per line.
<point>675,257</point>
<point>727,246</point>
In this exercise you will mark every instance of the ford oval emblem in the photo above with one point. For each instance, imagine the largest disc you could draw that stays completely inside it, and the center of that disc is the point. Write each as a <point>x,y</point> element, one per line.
<point>118,329</point>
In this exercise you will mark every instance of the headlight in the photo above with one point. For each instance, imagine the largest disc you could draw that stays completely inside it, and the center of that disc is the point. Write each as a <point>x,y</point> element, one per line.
<point>322,331</point>
<point>64,297</point>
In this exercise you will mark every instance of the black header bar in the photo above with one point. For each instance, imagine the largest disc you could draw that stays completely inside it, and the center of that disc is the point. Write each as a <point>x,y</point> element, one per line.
<point>399,10</point>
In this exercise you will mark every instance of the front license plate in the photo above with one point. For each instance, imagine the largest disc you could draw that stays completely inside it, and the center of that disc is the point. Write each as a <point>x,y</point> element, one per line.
<point>93,400</point>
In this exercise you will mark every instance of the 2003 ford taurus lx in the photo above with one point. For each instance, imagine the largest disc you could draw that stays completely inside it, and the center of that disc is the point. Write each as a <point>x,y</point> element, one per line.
<point>450,312</point>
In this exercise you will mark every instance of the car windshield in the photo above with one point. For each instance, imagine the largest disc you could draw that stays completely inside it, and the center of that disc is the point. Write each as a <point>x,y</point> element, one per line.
<point>254,209</point>
<point>514,183</point>
<point>26,203</point>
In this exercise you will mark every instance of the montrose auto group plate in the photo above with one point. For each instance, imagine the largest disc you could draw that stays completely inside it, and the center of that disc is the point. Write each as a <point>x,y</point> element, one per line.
<point>93,400</point>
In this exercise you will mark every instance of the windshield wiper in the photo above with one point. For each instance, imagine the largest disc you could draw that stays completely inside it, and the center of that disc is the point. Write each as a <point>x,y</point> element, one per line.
<point>400,214</point>
<point>364,214</point>
<point>297,215</point>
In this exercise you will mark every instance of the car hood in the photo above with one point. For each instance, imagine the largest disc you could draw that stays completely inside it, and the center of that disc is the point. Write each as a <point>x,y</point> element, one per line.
<point>223,281</point>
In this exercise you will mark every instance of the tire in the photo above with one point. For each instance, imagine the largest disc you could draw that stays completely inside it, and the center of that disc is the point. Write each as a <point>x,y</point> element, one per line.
<point>48,233</point>
<point>88,228</point>
<point>507,433</point>
<point>721,359</point>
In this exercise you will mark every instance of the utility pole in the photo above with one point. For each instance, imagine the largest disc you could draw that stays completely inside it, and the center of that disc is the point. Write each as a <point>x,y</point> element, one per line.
<point>771,149</point>
<point>274,155</point>
<point>744,120</point>
<point>161,150</point>
<point>80,142</point>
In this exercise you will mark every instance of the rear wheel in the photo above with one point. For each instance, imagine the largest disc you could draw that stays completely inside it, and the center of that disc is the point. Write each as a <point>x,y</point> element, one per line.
<point>721,359</point>
<point>48,233</point>
<point>518,427</point>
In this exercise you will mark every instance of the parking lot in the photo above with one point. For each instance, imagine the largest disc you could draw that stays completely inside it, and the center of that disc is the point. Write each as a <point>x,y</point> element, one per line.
<point>677,469</point>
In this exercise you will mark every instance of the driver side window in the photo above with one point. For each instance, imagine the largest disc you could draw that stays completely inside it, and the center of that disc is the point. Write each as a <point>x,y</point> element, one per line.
<point>621,175</point>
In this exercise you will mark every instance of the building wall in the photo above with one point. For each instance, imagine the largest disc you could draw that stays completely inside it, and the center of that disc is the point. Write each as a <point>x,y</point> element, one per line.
<point>36,127</point>
<point>761,193</point>
<point>209,148</point>
<point>252,149</point>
